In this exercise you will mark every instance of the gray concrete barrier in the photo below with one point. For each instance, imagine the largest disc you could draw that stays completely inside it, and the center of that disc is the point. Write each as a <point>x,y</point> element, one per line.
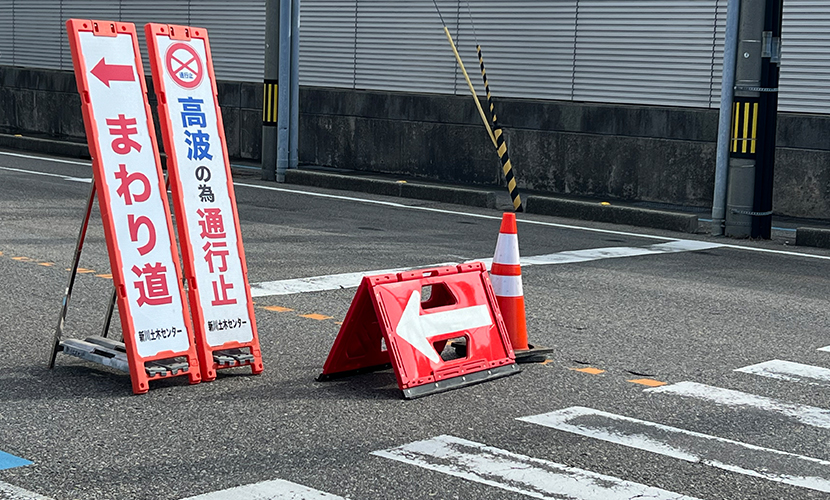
<point>615,214</point>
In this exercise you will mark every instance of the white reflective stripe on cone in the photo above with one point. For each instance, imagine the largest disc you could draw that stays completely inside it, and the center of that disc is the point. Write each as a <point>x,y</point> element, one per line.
<point>507,249</point>
<point>507,286</point>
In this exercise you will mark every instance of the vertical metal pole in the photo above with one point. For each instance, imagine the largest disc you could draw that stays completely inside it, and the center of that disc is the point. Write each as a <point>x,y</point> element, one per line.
<point>108,315</point>
<point>768,119</point>
<point>283,115</point>
<point>270,86</point>
<point>293,158</point>
<point>79,245</point>
<point>730,49</point>
<point>745,151</point>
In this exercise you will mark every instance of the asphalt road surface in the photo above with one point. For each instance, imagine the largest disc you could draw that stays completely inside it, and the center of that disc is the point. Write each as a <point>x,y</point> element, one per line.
<point>684,366</point>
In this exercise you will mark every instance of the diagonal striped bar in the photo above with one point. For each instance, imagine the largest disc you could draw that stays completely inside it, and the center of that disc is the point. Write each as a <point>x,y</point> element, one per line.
<point>501,146</point>
<point>519,473</point>
<point>733,456</point>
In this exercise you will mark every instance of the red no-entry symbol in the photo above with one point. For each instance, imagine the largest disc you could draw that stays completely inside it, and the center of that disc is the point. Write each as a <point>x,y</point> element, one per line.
<point>184,65</point>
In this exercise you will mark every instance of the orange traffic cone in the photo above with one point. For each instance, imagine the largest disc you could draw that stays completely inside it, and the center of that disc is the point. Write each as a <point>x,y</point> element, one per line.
<point>506,277</point>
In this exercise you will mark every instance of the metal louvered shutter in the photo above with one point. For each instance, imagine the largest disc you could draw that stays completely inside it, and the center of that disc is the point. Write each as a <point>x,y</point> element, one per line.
<point>85,9</point>
<point>237,36</point>
<point>6,34</point>
<point>141,12</point>
<point>39,34</point>
<point>327,43</point>
<point>805,60</point>
<point>528,46</point>
<point>402,46</point>
<point>644,51</point>
<point>717,55</point>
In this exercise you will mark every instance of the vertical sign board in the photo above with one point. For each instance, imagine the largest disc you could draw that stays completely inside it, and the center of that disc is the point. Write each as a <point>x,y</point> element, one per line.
<point>132,197</point>
<point>203,197</point>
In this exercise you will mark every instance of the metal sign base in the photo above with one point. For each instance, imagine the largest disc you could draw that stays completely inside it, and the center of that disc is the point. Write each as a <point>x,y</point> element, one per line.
<point>105,351</point>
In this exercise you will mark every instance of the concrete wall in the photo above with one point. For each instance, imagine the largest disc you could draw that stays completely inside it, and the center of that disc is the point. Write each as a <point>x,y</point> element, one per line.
<point>45,103</point>
<point>636,153</point>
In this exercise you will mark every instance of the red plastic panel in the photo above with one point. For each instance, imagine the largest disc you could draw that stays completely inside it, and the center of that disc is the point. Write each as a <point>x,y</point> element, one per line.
<point>132,197</point>
<point>203,194</point>
<point>414,329</point>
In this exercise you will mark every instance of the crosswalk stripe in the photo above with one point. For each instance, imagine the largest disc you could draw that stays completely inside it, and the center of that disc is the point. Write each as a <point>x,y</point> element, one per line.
<point>277,489</point>
<point>518,473</point>
<point>791,372</point>
<point>808,415</point>
<point>322,283</point>
<point>734,456</point>
<point>352,280</point>
<point>11,492</point>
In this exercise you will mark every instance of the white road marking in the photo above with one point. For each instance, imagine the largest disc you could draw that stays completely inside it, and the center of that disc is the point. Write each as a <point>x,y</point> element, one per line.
<point>519,473</point>
<point>277,489</point>
<point>734,456</point>
<point>11,492</point>
<point>807,415</point>
<point>449,212</point>
<point>825,348</point>
<point>455,212</point>
<point>44,158</point>
<point>791,372</point>
<point>322,283</point>
<point>351,280</point>
<point>46,174</point>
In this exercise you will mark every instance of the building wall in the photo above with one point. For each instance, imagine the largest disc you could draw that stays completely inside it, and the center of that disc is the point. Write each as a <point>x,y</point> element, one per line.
<point>647,153</point>
<point>598,97</point>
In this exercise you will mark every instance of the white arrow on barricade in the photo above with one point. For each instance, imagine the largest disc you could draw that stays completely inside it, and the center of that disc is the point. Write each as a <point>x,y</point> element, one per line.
<point>416,329</point>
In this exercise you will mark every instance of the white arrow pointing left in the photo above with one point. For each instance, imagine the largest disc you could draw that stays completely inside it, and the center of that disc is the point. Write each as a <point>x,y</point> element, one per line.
<point>416,329</point>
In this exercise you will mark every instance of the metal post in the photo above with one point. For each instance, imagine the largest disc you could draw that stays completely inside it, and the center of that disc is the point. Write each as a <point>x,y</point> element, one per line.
<point>108,315</point>
<point>744,150</point>
<point>76,260</point>
<point>269,93</point>
<point>283,115</point>
<point>768,111</point>
<point>293,158</point>
<point>730,49</point>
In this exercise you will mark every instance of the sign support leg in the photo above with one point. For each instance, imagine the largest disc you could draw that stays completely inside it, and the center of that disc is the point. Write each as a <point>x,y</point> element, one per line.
<point>108,316</point>
<point>79,245</point>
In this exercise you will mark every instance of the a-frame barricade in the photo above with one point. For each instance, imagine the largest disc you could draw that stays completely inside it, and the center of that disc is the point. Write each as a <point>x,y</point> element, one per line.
<point>203,198</point>
<point>157,334</point>
<point>388,322</point>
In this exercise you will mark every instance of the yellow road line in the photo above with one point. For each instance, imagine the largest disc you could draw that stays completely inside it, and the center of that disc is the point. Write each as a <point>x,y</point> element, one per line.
<point>588,369</point>
<point>318,317</point>
<point>649,382</point>
<point>277,309</point>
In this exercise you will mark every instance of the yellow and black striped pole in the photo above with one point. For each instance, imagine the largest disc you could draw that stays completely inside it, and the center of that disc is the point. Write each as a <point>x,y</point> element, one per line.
<point>501,145</point>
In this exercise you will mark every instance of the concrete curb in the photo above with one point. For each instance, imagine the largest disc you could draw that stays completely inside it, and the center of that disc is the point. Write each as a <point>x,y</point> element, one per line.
<point>444,194</point>
<point>45,146</point>
<point>615,214</point>
<point>812,237</point>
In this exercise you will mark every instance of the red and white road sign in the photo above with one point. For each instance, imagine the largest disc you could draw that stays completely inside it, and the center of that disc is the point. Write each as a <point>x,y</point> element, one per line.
<point>184,65</point>
<point>390,309</point>
<point>203,195</point>
<point>131,195</point>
